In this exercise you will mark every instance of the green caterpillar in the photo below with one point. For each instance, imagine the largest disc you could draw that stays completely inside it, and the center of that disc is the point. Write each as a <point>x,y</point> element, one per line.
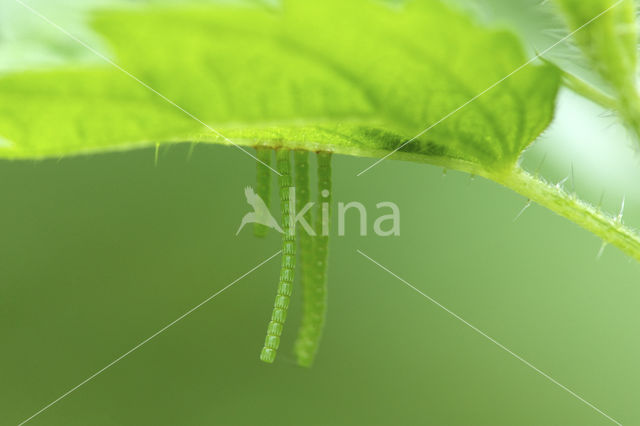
<point>287,271</point>
<point>263,185</point>
<point>314,277</point>
<point>313,250</point>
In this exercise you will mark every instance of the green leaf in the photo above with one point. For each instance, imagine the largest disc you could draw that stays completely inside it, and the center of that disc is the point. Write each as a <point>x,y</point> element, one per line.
<point>607,37</point>
<point>354,77</point>
<point>606,32</point>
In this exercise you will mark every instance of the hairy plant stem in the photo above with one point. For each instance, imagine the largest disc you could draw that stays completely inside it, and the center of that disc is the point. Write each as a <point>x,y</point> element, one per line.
<point>315,276</point>
<point>555,198</point>
<point>285,284</point>
<point>263,185</point>
<point>587,91</point>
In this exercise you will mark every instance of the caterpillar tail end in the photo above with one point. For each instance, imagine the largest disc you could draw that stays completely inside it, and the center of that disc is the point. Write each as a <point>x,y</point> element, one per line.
<point>305,350</point>
<point>271,343</point>
<point>305,360</point>
<point>268,355</point>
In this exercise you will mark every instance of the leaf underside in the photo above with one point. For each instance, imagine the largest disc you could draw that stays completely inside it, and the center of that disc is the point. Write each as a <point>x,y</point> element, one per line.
<point>354,77</point>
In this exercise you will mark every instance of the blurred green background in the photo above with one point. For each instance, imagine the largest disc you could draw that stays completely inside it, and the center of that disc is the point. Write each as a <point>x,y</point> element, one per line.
<point>98,253</point>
